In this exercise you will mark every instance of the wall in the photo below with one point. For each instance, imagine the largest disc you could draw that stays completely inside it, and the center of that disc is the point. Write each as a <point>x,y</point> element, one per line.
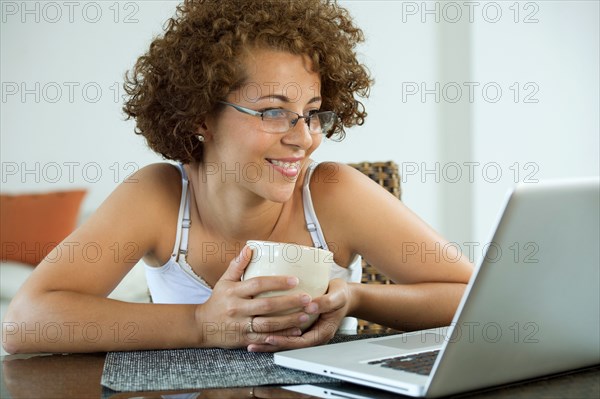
<point>546,123</point>
<point>62,124</point>
<point>62,64</point>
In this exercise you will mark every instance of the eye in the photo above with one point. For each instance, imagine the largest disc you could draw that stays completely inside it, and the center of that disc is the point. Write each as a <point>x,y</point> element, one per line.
<point>275,113</point>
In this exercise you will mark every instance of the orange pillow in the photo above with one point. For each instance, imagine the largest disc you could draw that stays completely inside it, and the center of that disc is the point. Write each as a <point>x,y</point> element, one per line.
<point>31,225</point>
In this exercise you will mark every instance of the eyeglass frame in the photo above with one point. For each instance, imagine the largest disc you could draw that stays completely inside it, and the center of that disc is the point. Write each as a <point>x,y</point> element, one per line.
<point>293,123</point>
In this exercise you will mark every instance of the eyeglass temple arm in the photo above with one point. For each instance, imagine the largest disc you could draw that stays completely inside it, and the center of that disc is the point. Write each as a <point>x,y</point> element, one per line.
<point>242,109</point>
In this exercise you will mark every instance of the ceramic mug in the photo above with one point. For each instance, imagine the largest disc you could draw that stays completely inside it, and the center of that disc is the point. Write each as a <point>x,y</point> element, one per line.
<point>311,266</point>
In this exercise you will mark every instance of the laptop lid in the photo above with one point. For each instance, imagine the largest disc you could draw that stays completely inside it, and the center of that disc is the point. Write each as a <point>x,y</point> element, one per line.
<point>533,305</point>
<point>531,308</point>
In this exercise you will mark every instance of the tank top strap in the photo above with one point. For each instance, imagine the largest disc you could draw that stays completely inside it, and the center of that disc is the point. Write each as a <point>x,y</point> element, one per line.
<point>183,219</point>
<point>312,223</point>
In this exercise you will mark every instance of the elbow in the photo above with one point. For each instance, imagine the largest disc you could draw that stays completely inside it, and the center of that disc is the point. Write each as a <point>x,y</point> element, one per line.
<point>12,339</point>
<point>19,335</point>
<point>9,343</point>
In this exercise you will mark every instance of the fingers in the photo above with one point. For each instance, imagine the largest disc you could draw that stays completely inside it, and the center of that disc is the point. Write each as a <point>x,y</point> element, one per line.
<point>237,266</point>
<point>277,313</point>
<point>336,298</point>
<point>321,333</point>
<point>331,307</point>
<point>259,285</point>
<point>277,304</point>
<point>262,348</point>
<point>290,323</point>
<point>258,341</point>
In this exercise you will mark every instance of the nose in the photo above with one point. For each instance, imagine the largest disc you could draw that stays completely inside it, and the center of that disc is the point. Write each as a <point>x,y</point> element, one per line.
<point>306,120</point>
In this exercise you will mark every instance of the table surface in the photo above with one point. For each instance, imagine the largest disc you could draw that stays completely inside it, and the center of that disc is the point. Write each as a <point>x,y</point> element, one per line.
<point>78,376</point>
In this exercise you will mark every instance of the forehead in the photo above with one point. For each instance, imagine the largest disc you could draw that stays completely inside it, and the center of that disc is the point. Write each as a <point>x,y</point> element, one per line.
<point>271,72</point>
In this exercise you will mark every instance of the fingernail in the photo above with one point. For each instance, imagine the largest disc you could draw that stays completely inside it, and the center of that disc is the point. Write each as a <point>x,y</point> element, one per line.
<point>297,332</point>
<point>312,308</point>
<point>293,281</point>
<point>305,299</point>
<point>239,255</point>
<point>304,317</point>
<point>270,340</point>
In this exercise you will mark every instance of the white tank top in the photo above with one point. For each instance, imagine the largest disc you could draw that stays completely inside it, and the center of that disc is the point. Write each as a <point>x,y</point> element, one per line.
<point>175,282</point>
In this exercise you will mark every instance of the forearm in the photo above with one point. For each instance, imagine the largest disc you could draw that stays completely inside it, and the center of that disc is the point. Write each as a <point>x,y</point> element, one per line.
<point>407,307</point>
<point>62,321</point>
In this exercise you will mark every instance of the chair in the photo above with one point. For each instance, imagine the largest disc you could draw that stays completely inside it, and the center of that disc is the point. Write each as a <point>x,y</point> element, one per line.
<point>386,174</point>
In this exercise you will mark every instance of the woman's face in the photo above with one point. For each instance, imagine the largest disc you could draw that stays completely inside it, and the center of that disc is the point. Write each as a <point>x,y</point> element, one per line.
<point>238,148</point>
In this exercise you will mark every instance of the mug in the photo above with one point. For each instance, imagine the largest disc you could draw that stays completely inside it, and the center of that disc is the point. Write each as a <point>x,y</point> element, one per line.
<point>311,266</point>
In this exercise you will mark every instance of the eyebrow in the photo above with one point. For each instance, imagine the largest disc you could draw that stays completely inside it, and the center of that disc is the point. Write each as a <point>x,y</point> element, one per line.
<point>285,99</point>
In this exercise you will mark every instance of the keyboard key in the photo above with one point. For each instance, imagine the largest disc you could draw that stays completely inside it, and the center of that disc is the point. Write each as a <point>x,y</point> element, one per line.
<point>419,363</point>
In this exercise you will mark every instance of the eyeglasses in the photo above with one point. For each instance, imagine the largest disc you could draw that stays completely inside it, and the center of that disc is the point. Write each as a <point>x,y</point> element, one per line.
<point>277,120</point>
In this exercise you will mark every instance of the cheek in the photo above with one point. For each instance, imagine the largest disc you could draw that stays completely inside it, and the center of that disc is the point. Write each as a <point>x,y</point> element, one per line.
<point>233,136</point>
<point>316,142</point>
<point>245,144</point>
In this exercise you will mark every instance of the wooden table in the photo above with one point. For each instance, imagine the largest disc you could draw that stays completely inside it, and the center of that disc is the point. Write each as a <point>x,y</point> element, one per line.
<point>78,376</point>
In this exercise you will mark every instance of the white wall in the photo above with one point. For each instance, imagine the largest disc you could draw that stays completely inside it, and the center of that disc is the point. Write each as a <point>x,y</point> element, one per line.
<point>73,139</point>
<point>61,87</point>
<point>553,133</point>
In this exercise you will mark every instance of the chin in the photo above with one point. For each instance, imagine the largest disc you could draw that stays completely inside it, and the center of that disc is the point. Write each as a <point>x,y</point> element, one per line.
<point>280,198</point>
<point>280,194</point>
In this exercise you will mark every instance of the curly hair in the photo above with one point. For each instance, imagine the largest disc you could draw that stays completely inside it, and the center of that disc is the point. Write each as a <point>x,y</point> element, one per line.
<point>197,62</point>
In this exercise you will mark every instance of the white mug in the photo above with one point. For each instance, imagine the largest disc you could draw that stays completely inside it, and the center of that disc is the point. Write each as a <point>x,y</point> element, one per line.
<point>311,266</point>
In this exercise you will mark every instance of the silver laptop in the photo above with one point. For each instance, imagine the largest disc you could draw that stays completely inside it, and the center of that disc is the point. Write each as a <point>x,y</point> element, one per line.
<point>532,307</point>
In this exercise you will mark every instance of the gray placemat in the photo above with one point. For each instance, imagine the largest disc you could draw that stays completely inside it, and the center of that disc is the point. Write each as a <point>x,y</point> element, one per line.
<point>157,370</point>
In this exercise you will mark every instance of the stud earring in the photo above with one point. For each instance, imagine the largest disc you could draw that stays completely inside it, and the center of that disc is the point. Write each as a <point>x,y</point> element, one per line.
<point>200,138</point>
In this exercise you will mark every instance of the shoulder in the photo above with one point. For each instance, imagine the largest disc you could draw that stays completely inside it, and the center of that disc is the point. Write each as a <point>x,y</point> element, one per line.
<point>143,205</point>
<point>156,173</point>
<point>343,185</point>
<point>152,185</point>
<point>351,205</point>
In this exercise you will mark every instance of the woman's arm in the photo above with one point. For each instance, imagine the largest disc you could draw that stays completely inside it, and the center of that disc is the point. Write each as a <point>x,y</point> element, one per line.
<point>63,307</point>
<point>366,219</point>
<point>407,307</point>
<point>430,273</point>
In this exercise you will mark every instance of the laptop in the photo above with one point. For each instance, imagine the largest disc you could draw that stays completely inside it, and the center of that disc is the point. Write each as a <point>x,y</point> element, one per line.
<point>531,308</point>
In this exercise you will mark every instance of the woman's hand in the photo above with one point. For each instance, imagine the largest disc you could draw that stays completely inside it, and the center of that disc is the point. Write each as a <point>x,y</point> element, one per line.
<point>233,318</point>
<point>332,307</point>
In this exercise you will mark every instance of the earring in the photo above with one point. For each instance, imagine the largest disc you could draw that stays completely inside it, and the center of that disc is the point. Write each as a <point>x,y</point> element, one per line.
<point>200,138</point>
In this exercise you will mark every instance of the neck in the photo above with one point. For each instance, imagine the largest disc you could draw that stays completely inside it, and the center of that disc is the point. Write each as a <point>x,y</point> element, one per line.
<point>229,211</point>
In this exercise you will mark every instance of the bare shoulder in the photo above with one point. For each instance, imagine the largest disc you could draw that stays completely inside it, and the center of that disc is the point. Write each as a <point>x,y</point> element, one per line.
<point>150,187</point>
<point>363,217</point>
<point>140,207</point>
<point>338,187</point>
<point>346,202</point>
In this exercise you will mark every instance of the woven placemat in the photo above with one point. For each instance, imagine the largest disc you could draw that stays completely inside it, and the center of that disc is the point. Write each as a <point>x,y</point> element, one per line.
<point>157,370</point>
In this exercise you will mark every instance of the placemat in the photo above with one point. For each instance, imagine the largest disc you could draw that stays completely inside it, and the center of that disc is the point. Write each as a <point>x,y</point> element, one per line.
<point>156,370</point>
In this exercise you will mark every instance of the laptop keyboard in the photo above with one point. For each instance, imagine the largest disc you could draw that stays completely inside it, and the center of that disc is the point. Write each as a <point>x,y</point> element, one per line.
<point>419,363</point>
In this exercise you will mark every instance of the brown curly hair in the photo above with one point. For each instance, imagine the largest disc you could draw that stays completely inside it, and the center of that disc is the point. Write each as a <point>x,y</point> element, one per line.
<point>197,62</point>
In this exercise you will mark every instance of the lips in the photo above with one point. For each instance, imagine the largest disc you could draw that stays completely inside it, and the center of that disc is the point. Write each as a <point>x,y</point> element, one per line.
<point>288,168</point>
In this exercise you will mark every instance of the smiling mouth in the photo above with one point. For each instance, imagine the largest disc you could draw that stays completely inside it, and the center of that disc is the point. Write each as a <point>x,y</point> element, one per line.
<point>287,169</point>
<point>285,165</point>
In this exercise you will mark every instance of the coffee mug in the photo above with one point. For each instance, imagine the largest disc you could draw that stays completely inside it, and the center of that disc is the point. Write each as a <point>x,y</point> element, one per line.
<point>311,266</point>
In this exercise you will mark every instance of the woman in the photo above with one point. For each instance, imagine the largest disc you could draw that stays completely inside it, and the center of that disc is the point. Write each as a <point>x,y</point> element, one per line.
<point>241,94</point>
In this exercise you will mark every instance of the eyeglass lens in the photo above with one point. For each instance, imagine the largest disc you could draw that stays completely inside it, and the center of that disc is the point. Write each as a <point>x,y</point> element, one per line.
<point>280,120</point>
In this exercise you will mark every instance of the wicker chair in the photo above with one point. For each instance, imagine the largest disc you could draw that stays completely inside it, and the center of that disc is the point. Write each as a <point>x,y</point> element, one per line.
<point>386,174</point>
